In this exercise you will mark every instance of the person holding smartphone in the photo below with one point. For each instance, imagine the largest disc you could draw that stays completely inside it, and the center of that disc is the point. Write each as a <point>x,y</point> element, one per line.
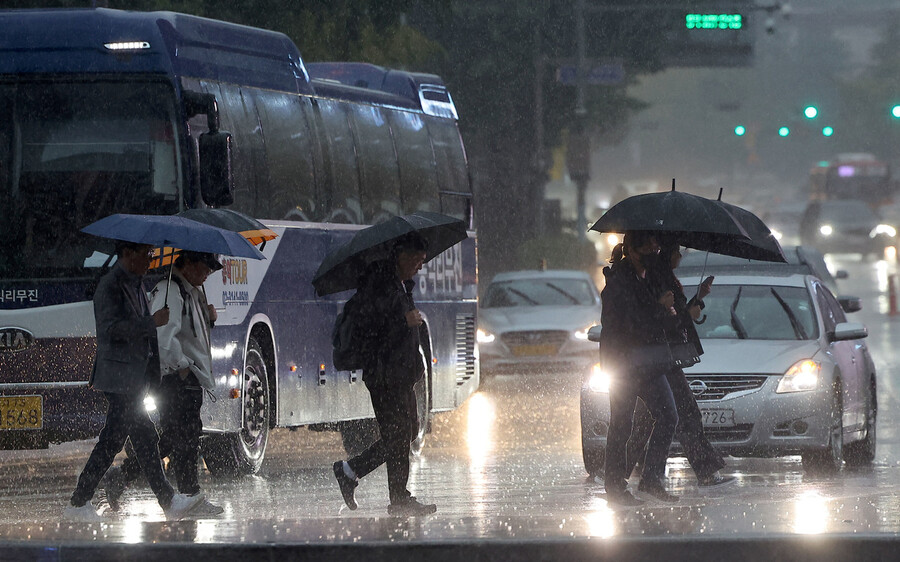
<point>684,343</point>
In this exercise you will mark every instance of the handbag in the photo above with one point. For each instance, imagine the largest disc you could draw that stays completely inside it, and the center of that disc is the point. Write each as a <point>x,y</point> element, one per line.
<point>646,359</point>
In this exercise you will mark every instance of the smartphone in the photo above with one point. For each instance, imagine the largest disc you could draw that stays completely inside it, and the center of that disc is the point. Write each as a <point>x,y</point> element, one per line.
<point>709,280</point>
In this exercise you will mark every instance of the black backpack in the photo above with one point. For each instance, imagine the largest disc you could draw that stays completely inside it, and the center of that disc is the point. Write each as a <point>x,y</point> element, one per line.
<point>347,337</point>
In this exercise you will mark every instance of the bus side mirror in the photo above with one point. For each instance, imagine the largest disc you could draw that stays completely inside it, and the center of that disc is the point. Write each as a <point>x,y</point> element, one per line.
<point>216,176</point>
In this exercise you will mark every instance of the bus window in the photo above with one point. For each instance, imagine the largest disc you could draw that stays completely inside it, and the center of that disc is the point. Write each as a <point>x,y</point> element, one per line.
<point>341,201</point>
<point>418,177</point>
<point>379,176</point>
<point>79,151</point>
<point>449,155</point>
<point>289,152</point>
<point>237,115</point>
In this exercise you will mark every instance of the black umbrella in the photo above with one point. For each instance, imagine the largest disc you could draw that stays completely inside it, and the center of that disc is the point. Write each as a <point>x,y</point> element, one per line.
<point>762,244</point>
<point>697,222</point>
<point>340,269</point>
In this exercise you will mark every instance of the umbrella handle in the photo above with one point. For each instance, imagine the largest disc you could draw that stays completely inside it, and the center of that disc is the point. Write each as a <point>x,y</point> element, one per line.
<point>169,280</point>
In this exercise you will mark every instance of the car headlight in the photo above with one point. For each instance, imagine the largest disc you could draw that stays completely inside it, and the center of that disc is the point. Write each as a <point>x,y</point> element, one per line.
<point>149,403</point>
<point>826,230</point>
<point>484,337</point>
<point>885,229</point>
<point>801,377</point>
<point>777,234</point>
<point>582,334</point>
<point>599,379</point>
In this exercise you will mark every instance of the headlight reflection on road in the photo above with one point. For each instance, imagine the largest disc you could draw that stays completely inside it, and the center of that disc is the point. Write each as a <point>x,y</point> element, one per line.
<point>480,428</point>
<point>600,521</point>
<point>810,513</point>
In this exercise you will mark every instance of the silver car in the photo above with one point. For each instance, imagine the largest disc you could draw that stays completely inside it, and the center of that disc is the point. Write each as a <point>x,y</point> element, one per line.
<point>538,321</point>
<point>783,373</point>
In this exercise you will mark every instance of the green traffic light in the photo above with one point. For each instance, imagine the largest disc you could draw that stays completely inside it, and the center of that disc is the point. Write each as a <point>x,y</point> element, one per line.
<point>827,131</point>
<point>810,112</point>
<point>740,130</point>
<point>783,132</point>
<point>895,111</point>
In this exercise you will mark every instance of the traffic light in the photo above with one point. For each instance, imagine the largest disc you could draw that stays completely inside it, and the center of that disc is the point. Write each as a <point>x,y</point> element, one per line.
<point>895,112</point>
<point>827,131</point>
<point>740,130</point>
<point>783,131</point>
<point>810,111</point>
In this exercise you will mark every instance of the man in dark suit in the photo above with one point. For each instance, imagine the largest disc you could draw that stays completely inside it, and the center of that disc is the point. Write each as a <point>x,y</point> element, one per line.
<point>126,366</point>
<point>393,365</point>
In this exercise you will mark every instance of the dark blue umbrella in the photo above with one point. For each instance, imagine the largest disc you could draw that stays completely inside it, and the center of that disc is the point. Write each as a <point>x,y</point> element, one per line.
<point>175,231</point>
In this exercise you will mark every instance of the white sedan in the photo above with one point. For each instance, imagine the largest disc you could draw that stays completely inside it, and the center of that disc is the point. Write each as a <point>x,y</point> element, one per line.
<point>538,321</point>
<point>783,373</point>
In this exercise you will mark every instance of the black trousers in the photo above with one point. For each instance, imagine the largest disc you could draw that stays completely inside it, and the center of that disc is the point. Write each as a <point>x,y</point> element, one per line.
<point>179,403</point>
<point>623,395</point>
<point>704,458</point>
<point>126,418</point>
<point>396,414</point>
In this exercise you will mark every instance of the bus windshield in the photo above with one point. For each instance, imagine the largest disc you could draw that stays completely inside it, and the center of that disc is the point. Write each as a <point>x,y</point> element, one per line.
<point>72,153</point>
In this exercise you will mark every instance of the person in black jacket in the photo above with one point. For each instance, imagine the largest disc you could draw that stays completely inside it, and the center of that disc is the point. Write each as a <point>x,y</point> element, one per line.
<point>684,342</point>
<point>394,363</point>
<point>634,352</point>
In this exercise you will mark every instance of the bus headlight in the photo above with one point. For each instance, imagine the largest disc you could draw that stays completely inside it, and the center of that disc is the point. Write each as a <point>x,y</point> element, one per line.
<point>826,230</point>
<point>801,377</point>
<point>484,337</point>
<point>599,379</point>
<point>884,229</point>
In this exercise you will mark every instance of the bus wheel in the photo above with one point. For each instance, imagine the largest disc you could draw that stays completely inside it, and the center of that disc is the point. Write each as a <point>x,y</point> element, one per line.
<point>241,453</point>
<point>423,415</point>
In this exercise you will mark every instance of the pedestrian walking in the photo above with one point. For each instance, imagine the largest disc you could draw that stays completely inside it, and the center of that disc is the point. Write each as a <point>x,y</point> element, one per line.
<point>186,366</point>
<point>393,364</point>
<point>684,342</point>
<point>634,351</point>
<point>126,366</point>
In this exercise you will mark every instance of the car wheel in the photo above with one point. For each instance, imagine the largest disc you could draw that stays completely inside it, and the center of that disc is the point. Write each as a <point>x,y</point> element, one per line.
<point>862,453</point>
<point>829,459</point>
<point>594,458</point>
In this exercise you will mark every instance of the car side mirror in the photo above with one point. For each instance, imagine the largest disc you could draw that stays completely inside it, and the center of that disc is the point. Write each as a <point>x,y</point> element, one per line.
<point>841,274</point>
<point>594,333</point>
<point>849,331</point>
<point>850,304</point>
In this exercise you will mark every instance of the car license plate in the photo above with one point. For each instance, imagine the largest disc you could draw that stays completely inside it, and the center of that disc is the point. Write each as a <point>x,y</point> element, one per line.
<point>718,418</point>
<point>21,412</point>
<point>537,349</point>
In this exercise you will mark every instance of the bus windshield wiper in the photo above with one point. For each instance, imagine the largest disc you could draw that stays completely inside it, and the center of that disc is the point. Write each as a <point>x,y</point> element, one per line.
<point>735,321</point>
<point>799,331</point>
<point>563,292</point>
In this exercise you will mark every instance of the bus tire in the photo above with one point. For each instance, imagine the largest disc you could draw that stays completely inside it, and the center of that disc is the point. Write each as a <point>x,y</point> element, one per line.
<point>242,453</point>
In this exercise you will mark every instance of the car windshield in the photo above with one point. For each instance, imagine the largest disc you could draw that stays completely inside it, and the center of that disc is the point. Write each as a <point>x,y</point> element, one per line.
<point>758,312</point>
<point>539,292</point>
<point>857,211</point>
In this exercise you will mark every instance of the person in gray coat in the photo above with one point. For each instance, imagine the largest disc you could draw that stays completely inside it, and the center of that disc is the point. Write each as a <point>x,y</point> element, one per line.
<point>126,366</point>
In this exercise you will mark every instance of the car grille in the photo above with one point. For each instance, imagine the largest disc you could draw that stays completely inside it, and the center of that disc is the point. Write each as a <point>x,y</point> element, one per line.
<point>740,432</point>
<point>717,387</point>
<point>544,342</point>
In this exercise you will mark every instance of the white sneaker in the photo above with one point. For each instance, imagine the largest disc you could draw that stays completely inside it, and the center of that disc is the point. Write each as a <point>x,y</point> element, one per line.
<point>207,509</point>
<point>87,513</point>
<point>182,506</point>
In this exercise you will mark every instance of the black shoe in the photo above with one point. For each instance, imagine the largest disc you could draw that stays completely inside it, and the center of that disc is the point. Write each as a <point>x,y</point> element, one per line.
<point>658,491</point>
<point>346,484</point>
<point>715,481</point>
<point>623,498</point>
<point>113,485</point>
<point>411,507</point>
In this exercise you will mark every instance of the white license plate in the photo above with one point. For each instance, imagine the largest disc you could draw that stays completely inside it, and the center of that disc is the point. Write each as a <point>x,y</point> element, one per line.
<point>718,418</point>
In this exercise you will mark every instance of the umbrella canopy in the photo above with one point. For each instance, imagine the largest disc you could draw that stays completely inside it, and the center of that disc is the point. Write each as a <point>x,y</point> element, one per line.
<point>696,222</point>
<point>762,244</point>
<point>170,230</point>
<point>251,229</point>
<point>340,269</point>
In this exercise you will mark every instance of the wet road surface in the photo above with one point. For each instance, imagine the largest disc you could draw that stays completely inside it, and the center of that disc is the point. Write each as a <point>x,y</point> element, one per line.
<point>505,471</point>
